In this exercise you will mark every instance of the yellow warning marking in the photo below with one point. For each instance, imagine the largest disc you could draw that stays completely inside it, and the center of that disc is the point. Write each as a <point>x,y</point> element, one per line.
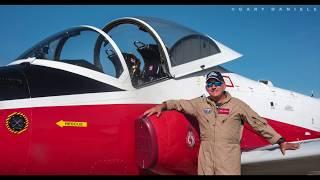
<point>63,123</point>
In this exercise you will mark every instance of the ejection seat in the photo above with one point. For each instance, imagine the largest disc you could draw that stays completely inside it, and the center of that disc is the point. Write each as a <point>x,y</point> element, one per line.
<point>151,57</point>
<point>133,64</point>
<point>115,61</point>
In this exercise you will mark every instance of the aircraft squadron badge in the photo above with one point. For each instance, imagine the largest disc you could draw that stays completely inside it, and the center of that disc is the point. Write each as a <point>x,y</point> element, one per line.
<point>17,122</point>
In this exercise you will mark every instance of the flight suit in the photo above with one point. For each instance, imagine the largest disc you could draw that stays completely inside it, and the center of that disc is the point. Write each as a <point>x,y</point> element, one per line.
<point>221,129</point>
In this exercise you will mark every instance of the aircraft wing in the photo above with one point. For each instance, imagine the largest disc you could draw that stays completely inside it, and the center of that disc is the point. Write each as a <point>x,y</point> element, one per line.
<point>269,160</point>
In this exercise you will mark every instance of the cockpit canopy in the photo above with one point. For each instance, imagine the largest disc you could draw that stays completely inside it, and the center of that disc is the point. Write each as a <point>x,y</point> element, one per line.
<point>146,49</point>
<point>183,44</point>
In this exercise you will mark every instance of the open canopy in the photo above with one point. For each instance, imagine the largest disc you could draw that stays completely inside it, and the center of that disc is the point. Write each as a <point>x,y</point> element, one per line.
<point>182,50</point>
<point>145,48</point>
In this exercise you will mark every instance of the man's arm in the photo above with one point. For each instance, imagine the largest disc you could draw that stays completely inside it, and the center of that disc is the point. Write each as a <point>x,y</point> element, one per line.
<point>261,126</point>
<point>185,106</point>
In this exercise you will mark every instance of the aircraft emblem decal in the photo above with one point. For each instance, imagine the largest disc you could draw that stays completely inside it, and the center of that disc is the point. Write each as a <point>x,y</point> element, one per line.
<point>17,122</point>
<point>190,139</point>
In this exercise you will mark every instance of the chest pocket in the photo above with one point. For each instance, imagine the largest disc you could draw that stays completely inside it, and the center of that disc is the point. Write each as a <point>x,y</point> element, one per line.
<point>222,118</point>
<point>230,125</point>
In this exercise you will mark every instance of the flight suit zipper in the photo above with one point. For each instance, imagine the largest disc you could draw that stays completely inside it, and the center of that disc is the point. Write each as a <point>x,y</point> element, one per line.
<point>212,143</point>
<point>214,107</point>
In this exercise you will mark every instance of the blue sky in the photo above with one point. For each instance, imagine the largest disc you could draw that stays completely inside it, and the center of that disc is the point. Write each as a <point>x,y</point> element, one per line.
<point>277,44</point>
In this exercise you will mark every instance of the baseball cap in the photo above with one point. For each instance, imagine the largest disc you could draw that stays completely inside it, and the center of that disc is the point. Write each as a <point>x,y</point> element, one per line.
<point>214,75</point>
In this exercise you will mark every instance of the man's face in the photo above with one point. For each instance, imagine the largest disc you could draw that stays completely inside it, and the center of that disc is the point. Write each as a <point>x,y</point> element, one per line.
<point>215,88</point>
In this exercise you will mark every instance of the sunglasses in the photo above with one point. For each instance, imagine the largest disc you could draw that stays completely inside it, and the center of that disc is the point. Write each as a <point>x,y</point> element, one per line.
<point>216,83</point>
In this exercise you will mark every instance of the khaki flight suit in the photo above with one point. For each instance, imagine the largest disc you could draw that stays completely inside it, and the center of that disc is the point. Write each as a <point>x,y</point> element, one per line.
<point>221,131</point>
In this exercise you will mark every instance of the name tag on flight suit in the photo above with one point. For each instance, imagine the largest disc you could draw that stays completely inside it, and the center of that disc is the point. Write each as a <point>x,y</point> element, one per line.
<point>223,111</point>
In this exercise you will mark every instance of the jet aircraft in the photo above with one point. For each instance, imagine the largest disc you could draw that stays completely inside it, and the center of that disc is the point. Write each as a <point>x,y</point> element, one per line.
<point>73,104</point>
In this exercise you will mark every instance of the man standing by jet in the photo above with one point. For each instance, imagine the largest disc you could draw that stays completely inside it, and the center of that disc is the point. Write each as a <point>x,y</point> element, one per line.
<point>221,119</point>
